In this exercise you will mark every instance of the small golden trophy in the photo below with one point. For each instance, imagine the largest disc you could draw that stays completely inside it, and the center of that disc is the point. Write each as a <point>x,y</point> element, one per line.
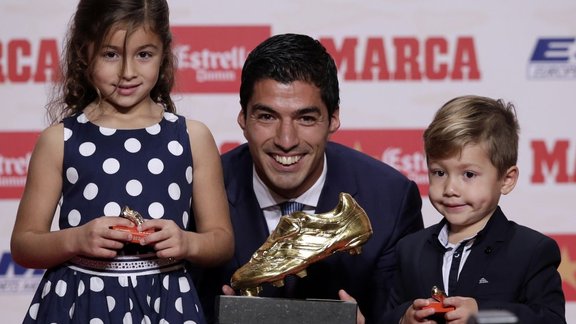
<point>137,219</point>
<point>438,295</point>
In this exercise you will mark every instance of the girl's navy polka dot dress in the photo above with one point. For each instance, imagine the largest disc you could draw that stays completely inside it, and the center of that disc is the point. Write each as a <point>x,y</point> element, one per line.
<point>150,171</point>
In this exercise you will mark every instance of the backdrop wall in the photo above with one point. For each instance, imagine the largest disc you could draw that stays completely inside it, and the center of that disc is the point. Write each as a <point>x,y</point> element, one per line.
<point>399,61</point>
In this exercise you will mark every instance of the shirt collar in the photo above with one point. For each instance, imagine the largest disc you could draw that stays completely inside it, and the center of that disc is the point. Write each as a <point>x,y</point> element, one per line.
<point>443,238</point>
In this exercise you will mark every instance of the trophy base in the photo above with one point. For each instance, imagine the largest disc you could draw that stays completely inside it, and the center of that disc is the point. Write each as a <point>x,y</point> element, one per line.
<point>136,235</point>
<point>250,310</point>
<point>439,308</point>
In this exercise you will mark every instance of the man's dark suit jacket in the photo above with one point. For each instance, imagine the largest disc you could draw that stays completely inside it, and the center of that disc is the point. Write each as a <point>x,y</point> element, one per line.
<point>510,267</point>
<point>391,201</point>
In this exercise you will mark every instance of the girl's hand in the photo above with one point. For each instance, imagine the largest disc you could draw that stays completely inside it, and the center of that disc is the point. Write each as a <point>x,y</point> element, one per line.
<point>169,240</point>
<point>97,239</point>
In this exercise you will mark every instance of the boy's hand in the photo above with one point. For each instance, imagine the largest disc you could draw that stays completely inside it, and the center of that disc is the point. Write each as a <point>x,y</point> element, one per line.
<point>417,314</point>
<point>465,308</point>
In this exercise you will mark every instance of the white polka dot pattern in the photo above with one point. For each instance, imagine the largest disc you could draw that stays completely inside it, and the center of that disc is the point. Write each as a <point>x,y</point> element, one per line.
<point>134,187</point>
<point>87,149</point>
<point>132,145</point>
<point>127,319</point>
<point>166,283</point>
<point>174,191</point>
<point>82,119</point>
<point>184,285</point>
<point>175,148</point>
<point>153,130</point>
<point>111,303</point>
<point>33,311</point>
<point>72,175</point>
<point>107,131</point>
<point>61,288</point>
<point>81,288</point>
<point>156,210</point>
<point>111,166</point>
<point>189,175</point>
<point>46,289</point>
<point>112,209</point>
<point>185,218</point>
<point>67,134</point>
<point>74,217</point>
<point>96,284</point>
<point>90,191</point>
<point>155,166</point>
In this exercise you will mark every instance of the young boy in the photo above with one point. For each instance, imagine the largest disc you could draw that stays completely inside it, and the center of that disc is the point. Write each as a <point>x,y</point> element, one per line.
<point>479,258</point>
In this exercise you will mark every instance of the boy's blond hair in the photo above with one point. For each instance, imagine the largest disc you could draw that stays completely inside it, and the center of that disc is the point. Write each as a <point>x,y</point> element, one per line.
<point>475,120</point>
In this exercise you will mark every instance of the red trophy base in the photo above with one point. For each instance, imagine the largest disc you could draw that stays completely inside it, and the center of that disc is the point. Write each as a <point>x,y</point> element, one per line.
<point>136,235</point>
<point>439,308</point>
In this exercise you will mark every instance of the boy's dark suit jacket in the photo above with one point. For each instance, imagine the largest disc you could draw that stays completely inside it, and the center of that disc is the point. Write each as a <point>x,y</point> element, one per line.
<point>510,267</point>
<point>391,201</point>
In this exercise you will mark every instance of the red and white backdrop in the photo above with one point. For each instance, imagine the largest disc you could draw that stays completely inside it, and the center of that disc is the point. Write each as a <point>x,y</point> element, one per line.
<point>398,61</point>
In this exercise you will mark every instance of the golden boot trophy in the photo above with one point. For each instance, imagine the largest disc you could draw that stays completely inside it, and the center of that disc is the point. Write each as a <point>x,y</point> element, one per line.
<point>301,239</point>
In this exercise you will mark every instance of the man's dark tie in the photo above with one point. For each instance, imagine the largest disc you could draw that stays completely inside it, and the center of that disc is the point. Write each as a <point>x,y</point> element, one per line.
<point>453,276</point>
<point>288,207</point>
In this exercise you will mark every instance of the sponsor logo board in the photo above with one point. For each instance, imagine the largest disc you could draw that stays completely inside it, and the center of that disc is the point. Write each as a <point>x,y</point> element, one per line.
<point>210,58</point>
<point>15,152</point>
<point>553,58</point>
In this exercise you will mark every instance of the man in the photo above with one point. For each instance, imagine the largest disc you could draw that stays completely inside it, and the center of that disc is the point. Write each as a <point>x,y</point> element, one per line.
<point>290,106</point>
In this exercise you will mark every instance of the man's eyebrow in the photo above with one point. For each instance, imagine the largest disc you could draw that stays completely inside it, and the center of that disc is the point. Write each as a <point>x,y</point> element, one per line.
<point>309,110</point>
<point>263,108</point>
<point>300,111</point>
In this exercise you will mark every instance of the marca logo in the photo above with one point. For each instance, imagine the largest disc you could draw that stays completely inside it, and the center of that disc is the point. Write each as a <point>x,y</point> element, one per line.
<point>404,58</point>
<point>401,149</point>
<point>567,268</point>
<point>551,162</point>
<point>23,60</point>
<point>553,58</point>
<point>16,279</point>
<point>210,59</point>
<point>15,151</point>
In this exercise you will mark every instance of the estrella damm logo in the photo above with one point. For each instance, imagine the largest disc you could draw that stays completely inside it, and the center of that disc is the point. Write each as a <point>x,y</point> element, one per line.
<point>210,58</point>
<point>15,152</point>
<point>400,148</point>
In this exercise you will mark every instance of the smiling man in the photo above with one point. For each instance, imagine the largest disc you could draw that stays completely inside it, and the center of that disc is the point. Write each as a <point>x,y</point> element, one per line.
<point>290,106</point>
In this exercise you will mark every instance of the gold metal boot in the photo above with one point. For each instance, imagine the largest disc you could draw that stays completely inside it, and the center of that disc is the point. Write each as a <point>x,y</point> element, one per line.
<point>301,239</point>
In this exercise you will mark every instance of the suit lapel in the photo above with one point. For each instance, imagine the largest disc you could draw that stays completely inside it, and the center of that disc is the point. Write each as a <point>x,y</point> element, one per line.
<point>486,246</point>
<point>338,179</point>
<point>250,228</point>
<point>248,237</point>
<point>432,257</point>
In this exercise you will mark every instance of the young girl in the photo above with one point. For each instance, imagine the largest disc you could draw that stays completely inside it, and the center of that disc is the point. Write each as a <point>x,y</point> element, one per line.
<point>116,141</point>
